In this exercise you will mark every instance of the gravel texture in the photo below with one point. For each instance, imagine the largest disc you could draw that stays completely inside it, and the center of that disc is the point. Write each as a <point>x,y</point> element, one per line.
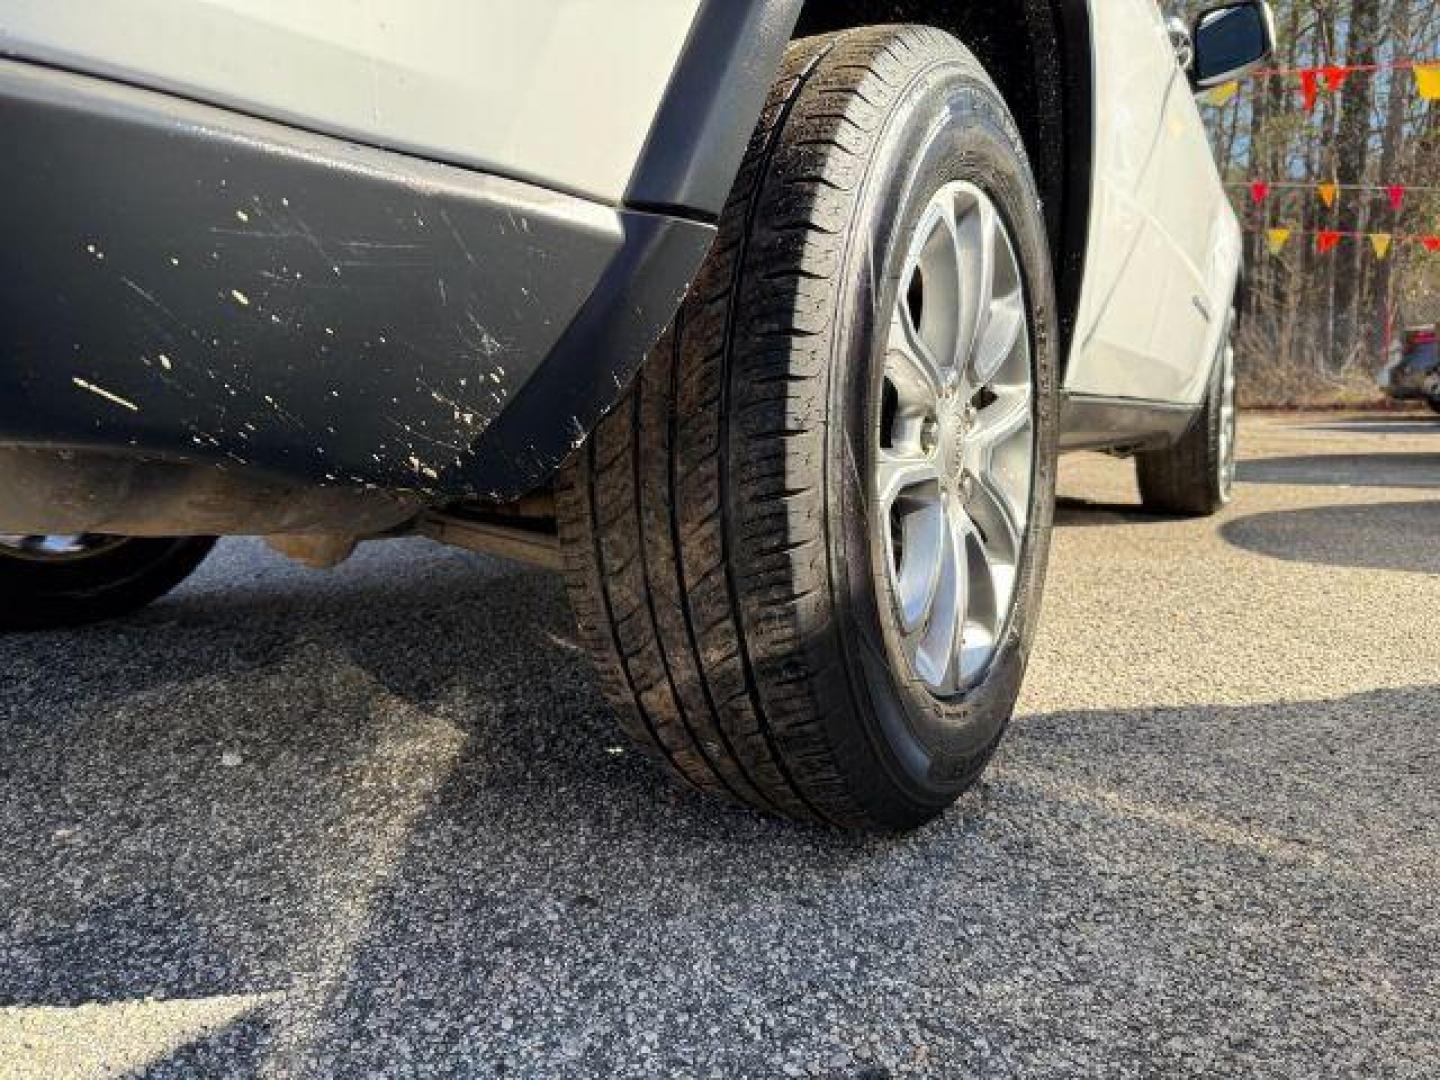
<point>377,822</point>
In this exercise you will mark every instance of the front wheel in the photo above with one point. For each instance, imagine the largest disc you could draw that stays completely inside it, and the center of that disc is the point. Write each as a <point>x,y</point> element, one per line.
<point>807,550</point>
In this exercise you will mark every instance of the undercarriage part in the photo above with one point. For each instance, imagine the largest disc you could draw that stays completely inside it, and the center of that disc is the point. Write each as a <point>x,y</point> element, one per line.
<point>524,531</point>
<point>85,491</point>
<point>319,551</point>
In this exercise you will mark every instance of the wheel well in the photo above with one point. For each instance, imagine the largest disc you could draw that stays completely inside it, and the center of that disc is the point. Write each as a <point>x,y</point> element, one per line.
<point>1038,53</point>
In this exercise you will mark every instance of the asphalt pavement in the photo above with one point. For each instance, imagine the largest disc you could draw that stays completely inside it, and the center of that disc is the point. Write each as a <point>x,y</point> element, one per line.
<point>377,822</point>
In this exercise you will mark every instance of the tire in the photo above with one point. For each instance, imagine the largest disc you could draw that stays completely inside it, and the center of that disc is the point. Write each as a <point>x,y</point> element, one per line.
<point>725,562</point>
<point>1195,476</point>
<point>104,578</point>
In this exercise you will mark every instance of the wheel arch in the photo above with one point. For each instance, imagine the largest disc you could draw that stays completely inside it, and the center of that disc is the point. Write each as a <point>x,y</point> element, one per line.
<point>1039,54</point>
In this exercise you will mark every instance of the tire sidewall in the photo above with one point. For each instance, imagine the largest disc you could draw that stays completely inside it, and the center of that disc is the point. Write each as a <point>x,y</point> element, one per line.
<point>951,125</point>
<point>41,595</point>
<point>1219,496</point>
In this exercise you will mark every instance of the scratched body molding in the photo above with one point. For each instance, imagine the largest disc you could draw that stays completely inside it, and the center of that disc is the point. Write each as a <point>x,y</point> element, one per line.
<point>200,285</point>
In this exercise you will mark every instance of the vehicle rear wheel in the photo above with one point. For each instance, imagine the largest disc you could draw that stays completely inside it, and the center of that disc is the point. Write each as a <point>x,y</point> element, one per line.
<point>807,550</point>
<point>1195,476</point>
<point>48,582</point>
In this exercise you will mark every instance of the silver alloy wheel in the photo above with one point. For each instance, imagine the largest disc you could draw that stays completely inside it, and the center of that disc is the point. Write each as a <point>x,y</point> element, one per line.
<point>955,454</point>
<point>57,548</point>
<point>1228,417</point>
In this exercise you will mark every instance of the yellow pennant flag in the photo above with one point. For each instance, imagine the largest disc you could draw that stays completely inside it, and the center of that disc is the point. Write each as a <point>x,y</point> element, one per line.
<point>1328,193</point>
<point>1427,81</point>
<point>1277,239</point>
<point>1381,242</point>
<point>1222,95</point>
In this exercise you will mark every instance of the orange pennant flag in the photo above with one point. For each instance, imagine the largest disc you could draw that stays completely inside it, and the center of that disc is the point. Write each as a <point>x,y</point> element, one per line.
<point>1277,239</point>
<point>1427,81</point>
<point>1381,242</point>
<point>1326,241</point>
<point>1328,193</point>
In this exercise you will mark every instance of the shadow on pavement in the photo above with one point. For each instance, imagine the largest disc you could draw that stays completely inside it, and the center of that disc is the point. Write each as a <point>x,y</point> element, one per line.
<point>401,807</point>
<point>1072,511</point>
<point>1411,423</point>
<point>1346,470</point>
<point>1377,536</point>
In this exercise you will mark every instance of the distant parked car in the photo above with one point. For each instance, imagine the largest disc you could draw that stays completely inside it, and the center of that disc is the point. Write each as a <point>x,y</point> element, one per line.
<point>1413,373</point>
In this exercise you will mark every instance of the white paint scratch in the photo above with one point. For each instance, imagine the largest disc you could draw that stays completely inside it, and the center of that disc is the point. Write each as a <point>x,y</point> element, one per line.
<point>240,297</point>
<point>106,394</point>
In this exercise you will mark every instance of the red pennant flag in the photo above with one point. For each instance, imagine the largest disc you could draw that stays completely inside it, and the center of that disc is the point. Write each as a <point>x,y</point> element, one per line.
<point>1328,240</point>
<point>1259,191</point>
<point>1310,87</point>
<point>1397,196</point>
<point>1432,243</point>
<point>1335,77</point>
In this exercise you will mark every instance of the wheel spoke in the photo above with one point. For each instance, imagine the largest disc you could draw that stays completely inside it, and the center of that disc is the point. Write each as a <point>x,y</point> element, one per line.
<point>975,231</point>
<point>897,473</point>
<point>1003,419</point>
<point>1006,323</point>
<point>908,490</point>
<point>938,642</point>
<point>991,585</point>
<point>911,367</point>
<point>998,516</point>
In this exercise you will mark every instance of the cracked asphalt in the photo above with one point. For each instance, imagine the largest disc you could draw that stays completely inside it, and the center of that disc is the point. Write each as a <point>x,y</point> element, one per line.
<point>377,822</point>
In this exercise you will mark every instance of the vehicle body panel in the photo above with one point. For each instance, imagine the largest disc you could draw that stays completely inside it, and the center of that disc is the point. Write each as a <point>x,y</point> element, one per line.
<point>423,248</point>
<point>190,283</point>
<point>1164,245</point>
<point>559,92</point>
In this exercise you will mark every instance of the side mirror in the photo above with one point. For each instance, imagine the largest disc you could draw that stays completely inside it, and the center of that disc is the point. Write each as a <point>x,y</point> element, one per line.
<point>1230,41</point>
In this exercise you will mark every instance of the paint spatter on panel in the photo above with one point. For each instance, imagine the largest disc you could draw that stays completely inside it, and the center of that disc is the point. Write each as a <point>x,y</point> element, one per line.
<point>100,391</point>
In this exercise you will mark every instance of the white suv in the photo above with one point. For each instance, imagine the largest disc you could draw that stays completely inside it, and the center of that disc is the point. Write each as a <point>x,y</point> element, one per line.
<point>765,321</point>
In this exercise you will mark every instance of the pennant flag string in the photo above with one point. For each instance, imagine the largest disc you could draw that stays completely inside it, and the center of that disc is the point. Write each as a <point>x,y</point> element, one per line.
<point>1260,190</point>
<point>1327,240</point>
<point>1349,69</point>
<point>1332,78</point>
<point>1280,184</point>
